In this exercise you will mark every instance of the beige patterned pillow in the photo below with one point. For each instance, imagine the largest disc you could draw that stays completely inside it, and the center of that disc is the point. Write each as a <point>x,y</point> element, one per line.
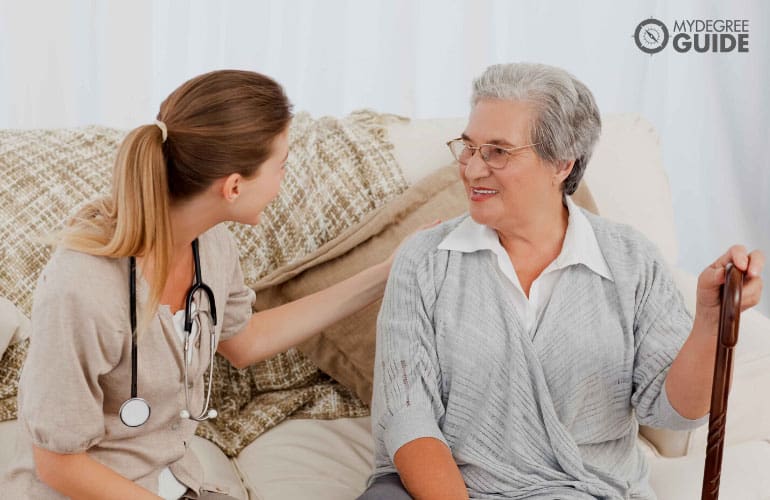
<point>46,174</point>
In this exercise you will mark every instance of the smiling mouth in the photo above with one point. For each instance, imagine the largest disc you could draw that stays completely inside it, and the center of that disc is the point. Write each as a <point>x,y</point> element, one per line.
<point>482,192</point>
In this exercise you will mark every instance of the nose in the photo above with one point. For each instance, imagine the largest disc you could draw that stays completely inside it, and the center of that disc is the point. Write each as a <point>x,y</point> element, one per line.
<point>475,168</point>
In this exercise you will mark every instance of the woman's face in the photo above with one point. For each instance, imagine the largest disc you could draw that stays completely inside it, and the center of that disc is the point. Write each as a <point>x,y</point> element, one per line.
<point>500,198</point>
<point>258,191</point>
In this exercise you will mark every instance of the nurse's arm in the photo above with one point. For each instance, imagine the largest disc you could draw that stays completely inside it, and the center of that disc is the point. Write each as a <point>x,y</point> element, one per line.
<point>80,476</point>
<point>272,331</point>
<point>428,470</point>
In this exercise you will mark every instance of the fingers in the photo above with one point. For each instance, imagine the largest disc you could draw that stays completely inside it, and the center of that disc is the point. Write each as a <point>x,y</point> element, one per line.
<point>737,254</point>
<point>752,291</point>
<point>752,283</point>
<point>756,263</point>
<point>751,263</point>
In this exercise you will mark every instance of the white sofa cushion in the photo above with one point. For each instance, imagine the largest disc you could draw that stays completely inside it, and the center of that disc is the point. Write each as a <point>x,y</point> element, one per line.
<point>748,410</point>
<point>318,459</point>
<point>419,145</point>
<point>744,474</point>
<point>628,182</point>
<point>218,469</point>
<point>8,430</point>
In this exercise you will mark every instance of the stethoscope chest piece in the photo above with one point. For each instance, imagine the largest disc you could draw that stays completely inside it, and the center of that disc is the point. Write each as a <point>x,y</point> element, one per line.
<point>134,412</point>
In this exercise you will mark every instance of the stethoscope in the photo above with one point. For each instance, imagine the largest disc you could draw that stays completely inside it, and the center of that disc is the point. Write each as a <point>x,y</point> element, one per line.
<point>135,411</point>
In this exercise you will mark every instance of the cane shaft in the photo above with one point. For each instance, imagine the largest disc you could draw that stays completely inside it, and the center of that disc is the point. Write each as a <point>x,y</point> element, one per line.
<point>729,319</point>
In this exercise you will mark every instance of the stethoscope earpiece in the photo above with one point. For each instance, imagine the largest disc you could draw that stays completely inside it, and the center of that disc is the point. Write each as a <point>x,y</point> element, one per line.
<point>212,413</point>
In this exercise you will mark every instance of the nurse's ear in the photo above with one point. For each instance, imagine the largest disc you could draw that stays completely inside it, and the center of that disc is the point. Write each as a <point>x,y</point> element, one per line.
<point>231,187</point>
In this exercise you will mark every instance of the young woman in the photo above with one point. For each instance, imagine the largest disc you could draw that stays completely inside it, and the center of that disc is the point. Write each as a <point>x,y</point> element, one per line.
<point>109,414</point>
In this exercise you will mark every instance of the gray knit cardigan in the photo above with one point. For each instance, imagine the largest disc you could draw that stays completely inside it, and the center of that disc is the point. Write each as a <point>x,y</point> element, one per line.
<point>548,413</point>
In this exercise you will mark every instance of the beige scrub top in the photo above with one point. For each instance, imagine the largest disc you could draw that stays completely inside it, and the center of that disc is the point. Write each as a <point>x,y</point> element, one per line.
<point>78,370</point>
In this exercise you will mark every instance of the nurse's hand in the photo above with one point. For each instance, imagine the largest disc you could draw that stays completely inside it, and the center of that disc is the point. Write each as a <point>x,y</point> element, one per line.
<point>708,298</point>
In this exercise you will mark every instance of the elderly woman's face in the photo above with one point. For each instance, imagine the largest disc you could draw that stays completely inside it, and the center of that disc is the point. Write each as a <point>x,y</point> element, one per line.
<point>499,197</point>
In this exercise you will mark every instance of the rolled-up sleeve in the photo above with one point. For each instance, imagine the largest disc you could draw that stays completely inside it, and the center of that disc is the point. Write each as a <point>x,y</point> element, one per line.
<point>407,401</point>
<point>240,298</point>
<point>661,327</point>
<point>72,345</point>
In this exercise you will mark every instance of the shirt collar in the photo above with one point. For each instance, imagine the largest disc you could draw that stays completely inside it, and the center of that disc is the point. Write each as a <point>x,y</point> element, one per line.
<point>580,245</point>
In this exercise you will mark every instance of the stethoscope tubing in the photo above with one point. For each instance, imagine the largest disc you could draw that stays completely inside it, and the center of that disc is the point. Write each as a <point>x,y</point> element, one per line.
<point>134,360</point>
<point>134,403</point>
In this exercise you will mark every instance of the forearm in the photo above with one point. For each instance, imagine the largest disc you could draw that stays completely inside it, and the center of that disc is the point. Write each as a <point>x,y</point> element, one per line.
<point>80,477</point>
<point>274,330</point>
<point>688,384</point>
<point>428,470</point>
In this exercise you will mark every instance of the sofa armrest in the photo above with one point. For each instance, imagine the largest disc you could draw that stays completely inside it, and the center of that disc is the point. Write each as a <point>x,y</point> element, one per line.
<point>748,413</point>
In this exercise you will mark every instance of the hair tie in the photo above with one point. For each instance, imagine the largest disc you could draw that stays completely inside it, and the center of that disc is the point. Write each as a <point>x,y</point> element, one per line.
<point>163,129</point>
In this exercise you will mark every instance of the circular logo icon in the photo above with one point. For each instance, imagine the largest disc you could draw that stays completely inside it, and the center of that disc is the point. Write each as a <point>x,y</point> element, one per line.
<point>651,36</point>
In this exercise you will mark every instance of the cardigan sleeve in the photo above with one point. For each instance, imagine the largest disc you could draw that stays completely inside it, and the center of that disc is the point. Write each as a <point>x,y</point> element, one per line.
<point>407,402</point>
<point>661,326</point>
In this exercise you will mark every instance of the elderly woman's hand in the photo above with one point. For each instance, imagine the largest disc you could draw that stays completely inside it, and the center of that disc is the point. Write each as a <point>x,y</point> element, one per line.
<point>708,295</point>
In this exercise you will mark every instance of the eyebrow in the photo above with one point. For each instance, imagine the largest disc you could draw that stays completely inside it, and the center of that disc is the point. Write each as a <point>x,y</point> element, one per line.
<point>496,142</point>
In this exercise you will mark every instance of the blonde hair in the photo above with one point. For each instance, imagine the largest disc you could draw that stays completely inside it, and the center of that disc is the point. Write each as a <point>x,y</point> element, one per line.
<point>217,124</point>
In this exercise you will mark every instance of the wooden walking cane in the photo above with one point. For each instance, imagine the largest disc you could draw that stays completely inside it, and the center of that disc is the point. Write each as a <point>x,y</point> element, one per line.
<point>729,319</point>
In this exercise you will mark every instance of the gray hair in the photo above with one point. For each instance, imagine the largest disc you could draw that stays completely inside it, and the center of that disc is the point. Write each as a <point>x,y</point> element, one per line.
<point>567,122</point>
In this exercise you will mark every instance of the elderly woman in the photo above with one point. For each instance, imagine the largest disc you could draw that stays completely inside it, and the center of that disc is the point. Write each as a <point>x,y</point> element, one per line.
<point>520,346</point>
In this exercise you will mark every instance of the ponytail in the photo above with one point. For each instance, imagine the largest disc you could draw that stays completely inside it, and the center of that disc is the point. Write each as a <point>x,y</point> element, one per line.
<point>134,220</point>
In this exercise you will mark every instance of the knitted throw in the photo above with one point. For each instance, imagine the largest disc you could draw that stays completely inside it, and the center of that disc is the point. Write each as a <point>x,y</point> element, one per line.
<point>338,171</point>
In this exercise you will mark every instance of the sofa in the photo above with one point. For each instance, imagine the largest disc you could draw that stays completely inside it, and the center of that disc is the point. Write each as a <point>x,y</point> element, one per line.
<point>332,459</point>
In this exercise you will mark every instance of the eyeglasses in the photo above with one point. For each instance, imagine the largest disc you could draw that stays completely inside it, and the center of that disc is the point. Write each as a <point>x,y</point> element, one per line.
<point>495,157</point>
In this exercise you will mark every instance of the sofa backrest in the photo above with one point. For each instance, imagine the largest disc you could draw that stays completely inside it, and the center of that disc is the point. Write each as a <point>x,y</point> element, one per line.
<point>625,174</point>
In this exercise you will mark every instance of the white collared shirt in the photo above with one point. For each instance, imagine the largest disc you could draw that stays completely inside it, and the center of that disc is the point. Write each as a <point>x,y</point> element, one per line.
<point>579,247</point>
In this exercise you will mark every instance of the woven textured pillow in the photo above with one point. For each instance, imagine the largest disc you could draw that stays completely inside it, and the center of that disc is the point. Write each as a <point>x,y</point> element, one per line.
<point>46,175</point>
